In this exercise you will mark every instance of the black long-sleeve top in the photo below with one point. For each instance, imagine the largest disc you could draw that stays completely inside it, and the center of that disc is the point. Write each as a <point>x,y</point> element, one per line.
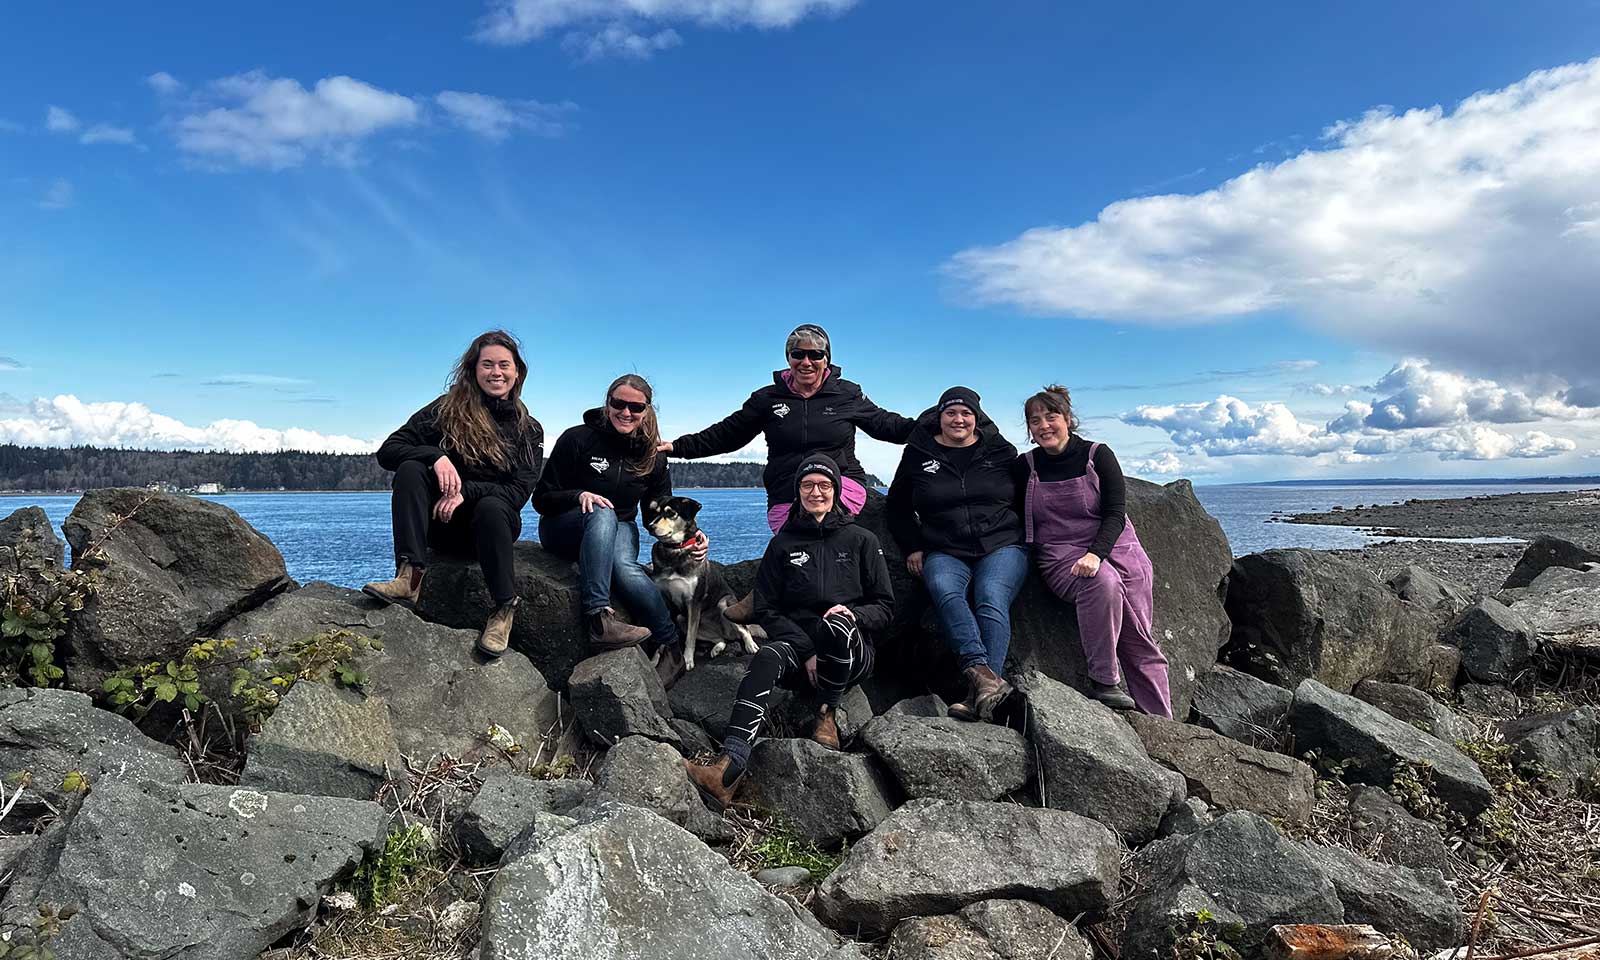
<point>593,457</point>
<point>809,567</point>
<point>955,500</point>
<point>522,437</point>
<point>1070,464</point>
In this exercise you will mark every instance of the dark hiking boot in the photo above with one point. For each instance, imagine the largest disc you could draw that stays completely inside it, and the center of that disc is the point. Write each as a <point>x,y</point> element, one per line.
<point>606,632</point>
<point>496,635</point>
<point>742,611</point>
<point>715,778</point>
<point>988,691</point>
<point>967,709</point>
<point>826,731</point>
<point>402,591</point>
<point>1111,695</point>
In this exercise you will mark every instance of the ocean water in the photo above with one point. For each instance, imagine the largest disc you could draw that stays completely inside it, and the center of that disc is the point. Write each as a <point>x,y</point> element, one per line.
<point>344,537</point>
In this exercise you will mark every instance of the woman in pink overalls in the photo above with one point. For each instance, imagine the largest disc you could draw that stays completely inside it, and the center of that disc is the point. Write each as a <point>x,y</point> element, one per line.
<point>1074,512</point>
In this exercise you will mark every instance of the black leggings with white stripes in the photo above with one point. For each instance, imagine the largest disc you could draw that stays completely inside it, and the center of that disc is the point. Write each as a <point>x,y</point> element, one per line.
<point>844,657</point>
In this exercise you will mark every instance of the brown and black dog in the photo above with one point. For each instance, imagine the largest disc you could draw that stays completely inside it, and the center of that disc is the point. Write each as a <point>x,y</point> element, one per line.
<point>693,589</point>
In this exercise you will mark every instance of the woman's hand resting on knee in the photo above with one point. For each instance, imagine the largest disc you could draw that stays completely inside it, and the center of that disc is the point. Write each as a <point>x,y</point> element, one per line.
<point>914,563</point>
<point>446,507</point>
<point>1088,566</point>
<point>449,480</point>
<point>588,501</point>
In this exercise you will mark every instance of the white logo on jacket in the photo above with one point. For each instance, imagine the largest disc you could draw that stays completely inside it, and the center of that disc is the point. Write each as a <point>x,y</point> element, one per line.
<point>780,410</point>
<point>799,558</point>
<point>930,466</point>
<point>599,464</point>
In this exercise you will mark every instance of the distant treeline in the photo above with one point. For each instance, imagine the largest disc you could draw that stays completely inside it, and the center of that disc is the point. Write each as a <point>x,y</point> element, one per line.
<point>88,468</point>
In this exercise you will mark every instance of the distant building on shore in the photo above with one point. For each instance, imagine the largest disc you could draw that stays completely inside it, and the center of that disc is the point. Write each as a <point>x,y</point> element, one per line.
<point>211,487</point>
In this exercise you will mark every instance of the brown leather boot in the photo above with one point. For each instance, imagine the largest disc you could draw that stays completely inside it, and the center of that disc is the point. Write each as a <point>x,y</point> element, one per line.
<point>402,591</point>
<point>743,610</point>
<point>990,690</point>
<point>606,632</point>
<point>967,709</point>
<point>715,779</point>
<point>827,729</point>
<point>496,635</point>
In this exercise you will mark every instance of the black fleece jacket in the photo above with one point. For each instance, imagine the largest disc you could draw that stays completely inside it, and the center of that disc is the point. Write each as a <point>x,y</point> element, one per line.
<point>797,427</point>
<point>960,502</point>
<point>593,457</point>
<point>420,439</point>
<point>1070,464</point>
<point>809,567</point>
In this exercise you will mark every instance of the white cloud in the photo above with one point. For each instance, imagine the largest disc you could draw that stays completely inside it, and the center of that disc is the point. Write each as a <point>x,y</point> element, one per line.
<point>104,133</point>
<point>1420,396</point>
<point>163,82</point>
<point>496,119</point>
<point>1467,442</point>
<point>59,120</point>
<point>57,195</point>
<point>1165,463</point>
<point>511,22</point>
<point>65,421</point>
<point>619,40</point>
<point>1228,426</point>
<point>1465,236</point>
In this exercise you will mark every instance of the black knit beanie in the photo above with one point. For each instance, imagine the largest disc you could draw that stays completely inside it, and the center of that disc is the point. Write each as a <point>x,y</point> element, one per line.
<point>966,396</point>
<point>808,332</point>
<point>817,463</point>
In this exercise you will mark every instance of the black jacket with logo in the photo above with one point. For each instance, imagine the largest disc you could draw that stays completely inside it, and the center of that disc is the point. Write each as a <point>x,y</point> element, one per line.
<point>797,427</point>
<point>809,567</point>
<point>593,457</point>
<point>935,504</point>
<point>420,439</point>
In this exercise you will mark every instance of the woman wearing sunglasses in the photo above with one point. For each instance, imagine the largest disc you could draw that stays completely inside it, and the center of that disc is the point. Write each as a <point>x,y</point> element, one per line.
<point>599,474</point>
<point>809,409</point>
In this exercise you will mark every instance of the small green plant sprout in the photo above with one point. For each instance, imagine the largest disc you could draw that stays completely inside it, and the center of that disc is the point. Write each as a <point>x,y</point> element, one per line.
<point>381,879</point>
<point>76,781</point>
<point>35,608</point>
<point>1201,936</point>
<point>560,768</point>
<point>781,846</point>
<point>501,739</point>
<point>31,942</point>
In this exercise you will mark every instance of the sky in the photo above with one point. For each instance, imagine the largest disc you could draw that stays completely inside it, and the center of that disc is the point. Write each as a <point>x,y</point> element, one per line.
<point>1256,240</point>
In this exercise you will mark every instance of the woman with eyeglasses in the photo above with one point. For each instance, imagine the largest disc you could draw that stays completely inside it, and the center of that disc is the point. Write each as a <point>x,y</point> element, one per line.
<point>600,473</point>
<point>822,591</point>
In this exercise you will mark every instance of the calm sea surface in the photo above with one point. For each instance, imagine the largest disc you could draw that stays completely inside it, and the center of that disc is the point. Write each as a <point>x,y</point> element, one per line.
<point>344,537</point>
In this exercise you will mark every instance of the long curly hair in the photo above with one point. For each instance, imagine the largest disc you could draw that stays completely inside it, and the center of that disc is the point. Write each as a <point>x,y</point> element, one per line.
<point>647,434</point>
<point>1052,399</point>
<point>464,416</point>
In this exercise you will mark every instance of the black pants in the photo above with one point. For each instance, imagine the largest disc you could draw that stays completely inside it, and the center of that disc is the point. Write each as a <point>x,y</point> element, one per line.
<point>483,528</point>
<point>844,657</point>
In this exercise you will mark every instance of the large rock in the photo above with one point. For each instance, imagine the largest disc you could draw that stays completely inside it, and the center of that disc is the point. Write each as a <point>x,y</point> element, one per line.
<point>826,795</point>
<point>1496,643</point>
<point>1092,763</point>
<point>47,734</point>
<point>324,742</point>
<point>1420,587</point>
<point>1413,903</point>
<point>1416,708</point>
<point>506,805</point>
<point>617,695</point>
<point>1228,774</point>
<point>28,542</point>
<point>938,856</point>
<point>1375,747</point>
<point>1240,706</point>
<point>1560,603</point>
<point>950,759</point>
<point>442,697</point>
<point>644,773</point>
<point>1546,552</point>
<point>1561,743</point>
<point>1241,871</point>
<point>990,930</point>
<point>171,569</point>
<point>1305,614</point>
<point>198,871</point>
<point>1387,831</point>
<point>628,884</point>
<point>706,693</point>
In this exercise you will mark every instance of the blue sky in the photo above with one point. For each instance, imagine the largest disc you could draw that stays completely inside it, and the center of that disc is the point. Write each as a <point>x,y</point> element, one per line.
<point>1257,240</point>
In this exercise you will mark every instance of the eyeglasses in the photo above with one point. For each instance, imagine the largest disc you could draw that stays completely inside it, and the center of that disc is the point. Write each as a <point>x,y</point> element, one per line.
<point>816,356</point>
<point>816,486</point>
<point>628,405</point>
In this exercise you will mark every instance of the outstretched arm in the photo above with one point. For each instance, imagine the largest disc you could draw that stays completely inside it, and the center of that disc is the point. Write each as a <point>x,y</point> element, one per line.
<point>726,435</point>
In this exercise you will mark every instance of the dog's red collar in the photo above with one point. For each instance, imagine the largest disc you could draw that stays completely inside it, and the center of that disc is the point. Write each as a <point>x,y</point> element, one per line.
<point>699,536</point>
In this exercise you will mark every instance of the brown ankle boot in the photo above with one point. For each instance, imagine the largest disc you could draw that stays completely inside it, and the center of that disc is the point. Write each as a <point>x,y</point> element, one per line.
<point>606,632</point>
<point>715,779</point>
<point>742,611</point>
<point>403,590</point>
<point>967,709</point>
<point>990,691</point>
<point>827,729</point>
<point>496,635</point>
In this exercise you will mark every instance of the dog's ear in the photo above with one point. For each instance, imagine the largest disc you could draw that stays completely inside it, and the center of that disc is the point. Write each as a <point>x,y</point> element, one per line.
<point>688,508</point>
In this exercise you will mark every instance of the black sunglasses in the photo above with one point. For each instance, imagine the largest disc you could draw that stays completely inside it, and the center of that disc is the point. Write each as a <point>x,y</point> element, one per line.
<point>814,355</point>
<point>628,405</point>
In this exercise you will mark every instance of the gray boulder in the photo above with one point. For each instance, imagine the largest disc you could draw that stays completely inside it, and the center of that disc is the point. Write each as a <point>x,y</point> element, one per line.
<point>442,697</point>
<point>1187,817</point>
<point>990,930</point>
<point>506,805</point>
<point>643,773</point>
<point>927,705</point>
<point>1240,870</point>
<point>1228,774</point>
<point>171,569</point>
<point>1387,831</point>
<point>48,734</point>
<point>1240,706</point>
<point>1563,606</point>
<point>1496,643</point>
<point>1487,700</point>
<point>1546,552</point>
<point>629,884</point>
<point>950,759</point>
<point>692,738</point>
<point>324,742</point>
<point>826,795</point>
<point>29,543</point>
<point>1416,708</point>
<point>1420,587</point>
<point>1413,903</point>
<point>201,871</point>
<point>705,694</point>
<point>617,695</point>
<point>1376,747</point>
<point>938,856</point>
<point>1305,614</point>
<point>1443,667</point>
<point>1561,743</point>
<point>1092,763</point>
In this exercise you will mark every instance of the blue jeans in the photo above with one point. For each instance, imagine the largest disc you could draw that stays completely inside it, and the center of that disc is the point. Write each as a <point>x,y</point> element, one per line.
<point>981,633</point>
<point>607,551</point>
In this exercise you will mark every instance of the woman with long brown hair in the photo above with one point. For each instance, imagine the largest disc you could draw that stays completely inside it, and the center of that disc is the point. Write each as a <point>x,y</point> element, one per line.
<point>464,465</point>
<point>602,472</point>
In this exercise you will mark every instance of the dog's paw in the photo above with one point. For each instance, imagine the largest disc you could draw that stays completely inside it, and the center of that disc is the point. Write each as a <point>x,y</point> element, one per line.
<point>718,647</point>
<point>750,646</point>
